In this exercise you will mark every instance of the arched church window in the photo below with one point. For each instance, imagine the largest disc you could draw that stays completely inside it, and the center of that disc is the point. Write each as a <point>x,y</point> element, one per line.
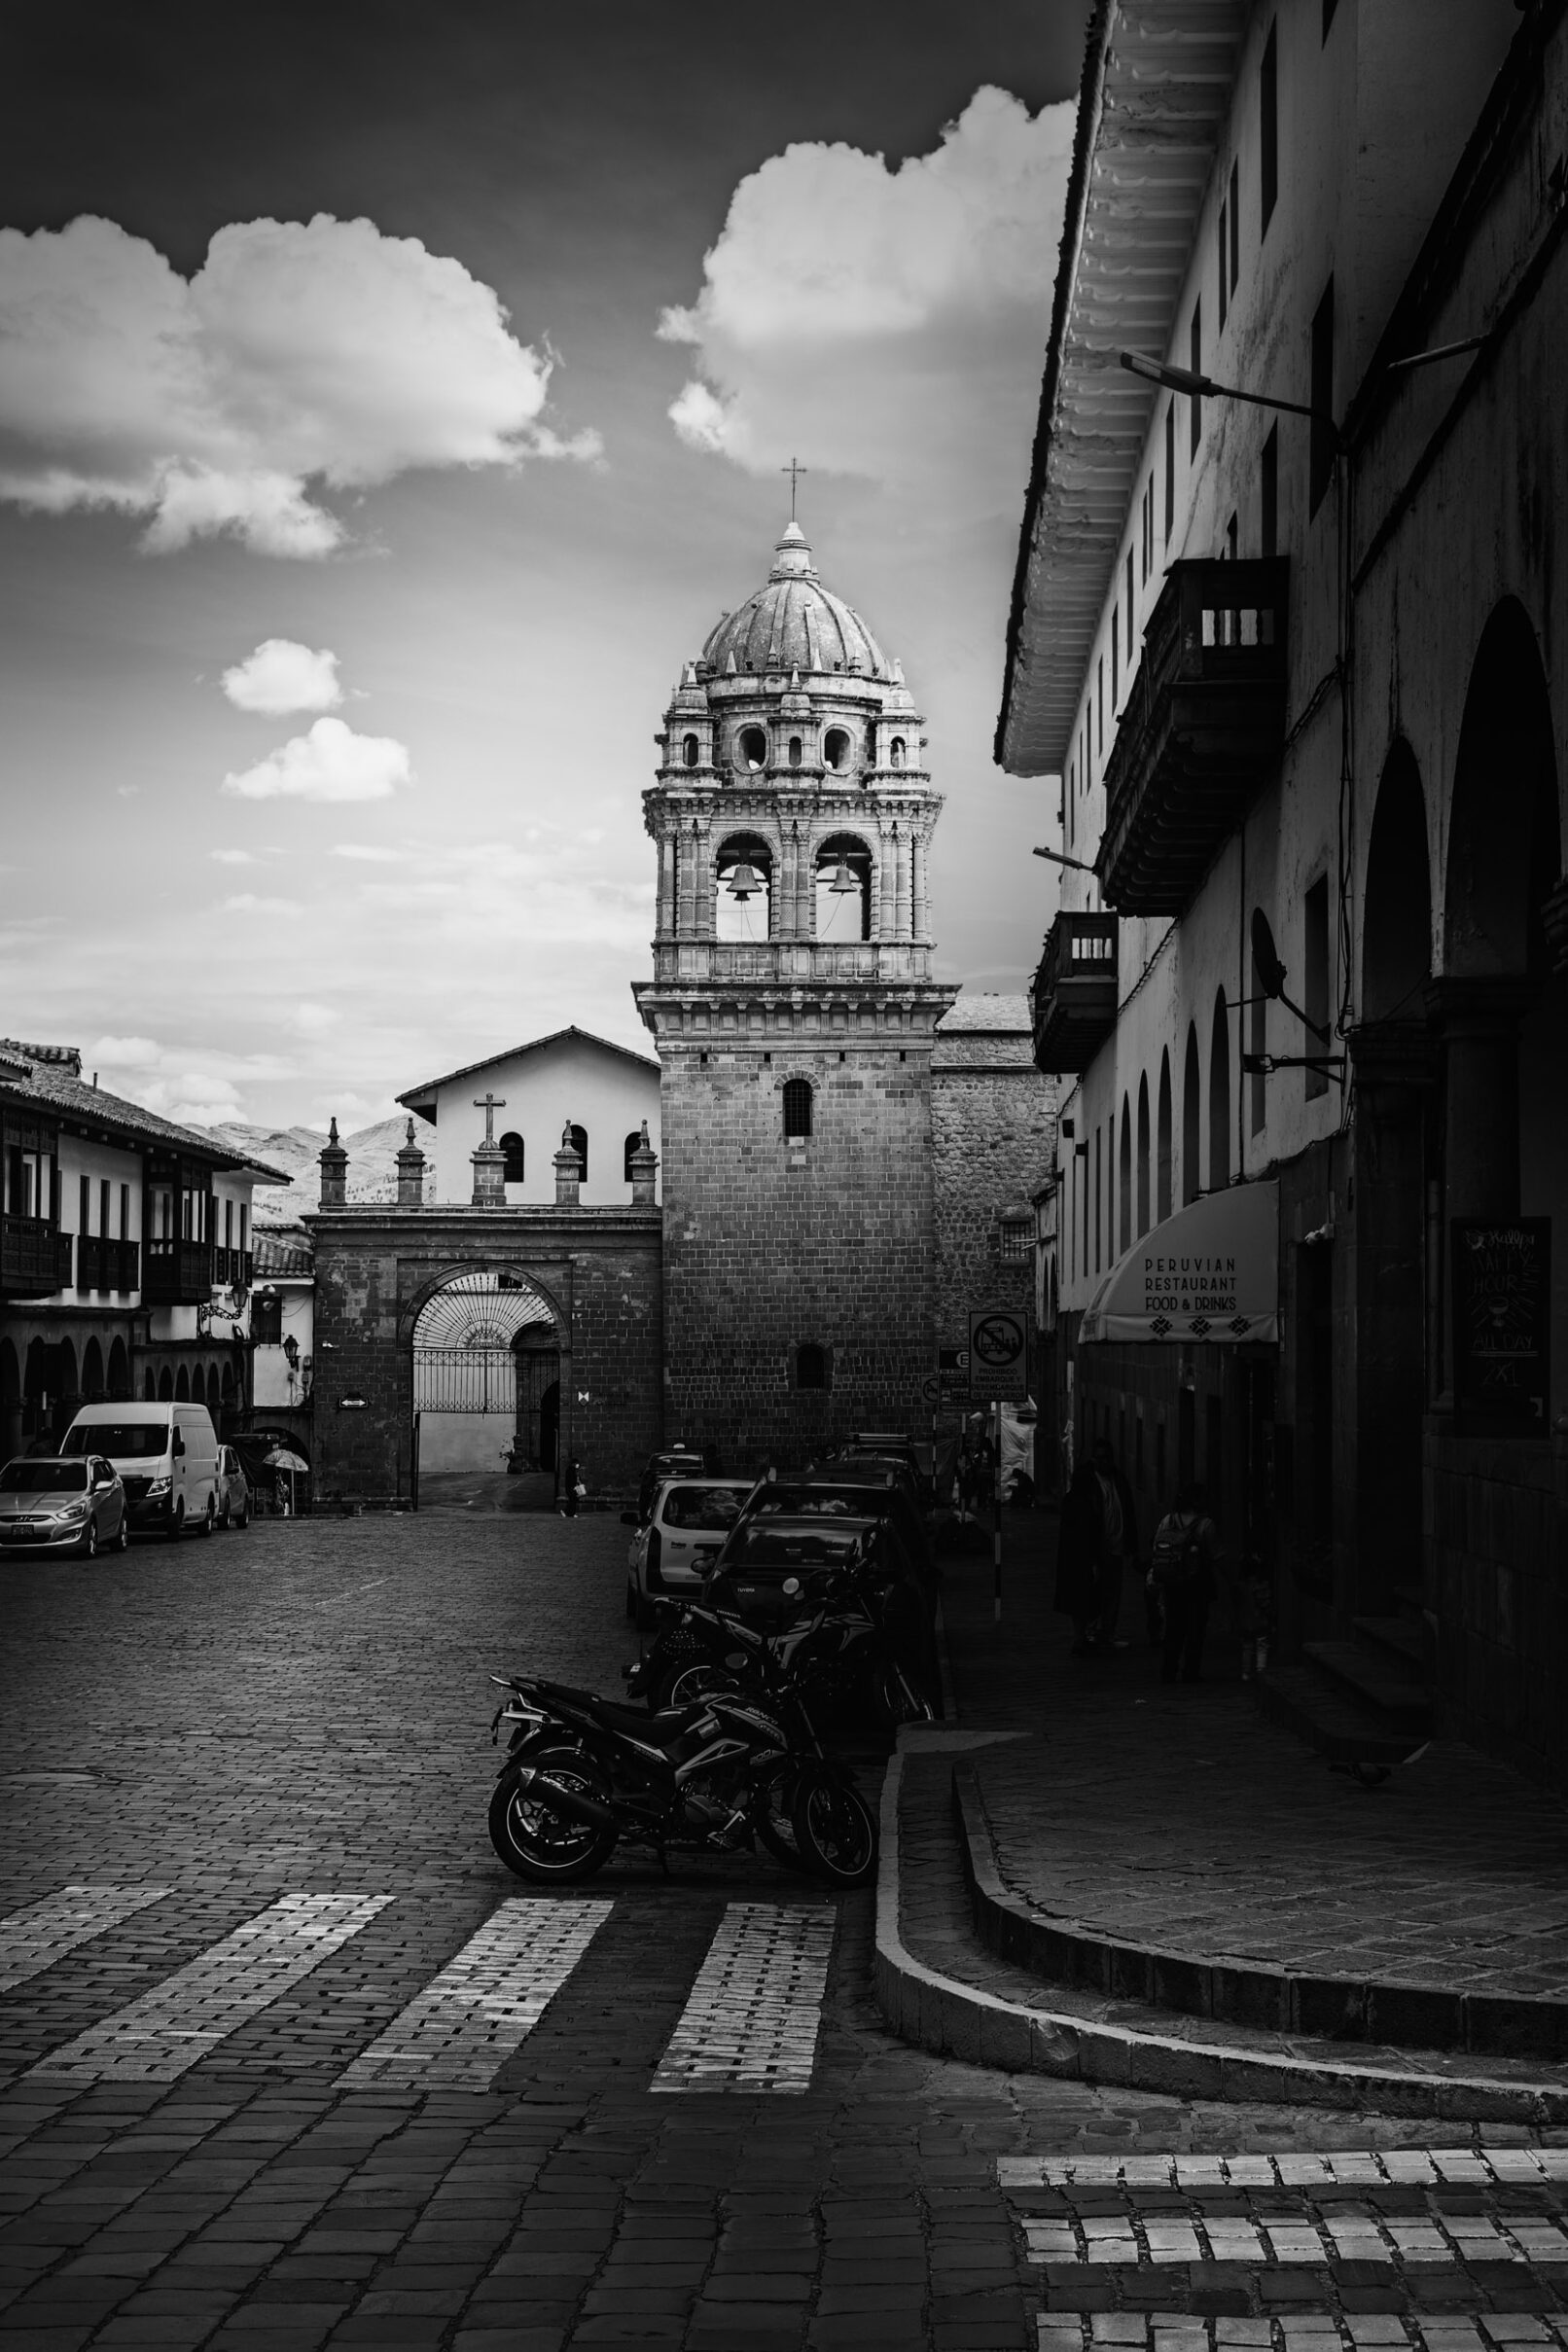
<point>512,1145</point>
<point>633,1143</point>
<point>689,750</point>
<point>797,1109</point>
<point>795,751</point>
<point>895,752</point>
<point>754,747</point>
<point>835,747</point>
<point>810,1365</point>
<point>579,1136</point>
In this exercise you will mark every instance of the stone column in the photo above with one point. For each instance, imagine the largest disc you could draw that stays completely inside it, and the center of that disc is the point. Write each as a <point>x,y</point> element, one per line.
<point>1395,1068</point>
<point>1478,1023</point>
<point>903,878</point>
<point>489,1175</point>
<point>644,1167</point>
<point>920,911</point>
<point>683,849</point>
<point>410,1173</point>
<point>887,914</point>
<point>703,921</point>
<point>568,1176</point>
<point>666,921</point>
<point>334,1161</point>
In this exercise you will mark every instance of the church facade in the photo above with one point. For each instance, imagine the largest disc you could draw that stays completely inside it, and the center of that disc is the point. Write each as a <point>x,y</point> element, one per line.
<point>825,1162</point>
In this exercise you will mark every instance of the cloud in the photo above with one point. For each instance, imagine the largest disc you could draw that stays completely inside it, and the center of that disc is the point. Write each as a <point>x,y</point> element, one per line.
<point>123,1053</point>
<point>281,676</point>
<point>312,1020</point>
<point>886,323</point>
<point>370,855</point>
<point>330,762</point>
<point>235,857</point>
<point>301,356</point>
<point>247,903</point>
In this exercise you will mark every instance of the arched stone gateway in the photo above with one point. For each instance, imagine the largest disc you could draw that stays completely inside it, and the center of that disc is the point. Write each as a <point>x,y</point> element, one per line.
<point>487,1351</point>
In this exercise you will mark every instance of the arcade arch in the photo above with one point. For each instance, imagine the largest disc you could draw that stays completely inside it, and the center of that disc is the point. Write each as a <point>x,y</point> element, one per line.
<point>486,1378</point>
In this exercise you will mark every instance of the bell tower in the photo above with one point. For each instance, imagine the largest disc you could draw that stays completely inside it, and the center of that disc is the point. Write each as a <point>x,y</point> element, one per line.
<point>793,1009</point>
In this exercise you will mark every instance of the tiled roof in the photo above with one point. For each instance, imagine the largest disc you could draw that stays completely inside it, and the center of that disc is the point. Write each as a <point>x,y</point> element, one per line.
<point>534,1045</point>
<point>56,1081</point>
<point>998,1015</point>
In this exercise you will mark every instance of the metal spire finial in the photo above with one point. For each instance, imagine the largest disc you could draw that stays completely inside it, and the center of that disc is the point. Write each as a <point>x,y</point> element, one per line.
<point>793,470</point>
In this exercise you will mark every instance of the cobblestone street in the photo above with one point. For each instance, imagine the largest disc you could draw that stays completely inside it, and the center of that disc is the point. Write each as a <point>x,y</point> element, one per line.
<point>305,2066</point>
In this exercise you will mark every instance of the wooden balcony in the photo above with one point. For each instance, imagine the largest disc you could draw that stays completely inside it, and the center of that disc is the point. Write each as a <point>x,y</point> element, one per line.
<point>105,1265</point>
<point>35,1258</point>
<point>1074,995</point>
<point>1203,727</point>
<point>177,1274</point>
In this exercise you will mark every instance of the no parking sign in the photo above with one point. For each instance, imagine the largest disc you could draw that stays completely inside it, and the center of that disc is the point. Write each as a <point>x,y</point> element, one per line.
<point>998,1353</point>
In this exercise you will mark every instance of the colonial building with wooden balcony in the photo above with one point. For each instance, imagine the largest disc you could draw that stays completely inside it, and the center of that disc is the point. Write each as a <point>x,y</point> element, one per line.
<point>125,1259</point>
<point>1286,639</point>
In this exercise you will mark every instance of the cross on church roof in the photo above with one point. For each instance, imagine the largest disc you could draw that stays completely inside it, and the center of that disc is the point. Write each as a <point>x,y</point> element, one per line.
<point>793,470</point>
<point>489,1104</point>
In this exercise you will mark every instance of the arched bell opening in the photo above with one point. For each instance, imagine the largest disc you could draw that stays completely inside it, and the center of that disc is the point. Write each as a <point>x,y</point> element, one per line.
<point>743,888</point>
<point>843,889</point>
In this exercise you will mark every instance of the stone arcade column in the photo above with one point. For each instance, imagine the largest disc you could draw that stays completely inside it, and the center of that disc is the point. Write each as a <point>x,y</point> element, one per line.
<point>1478,1023</point>
<point>1395,1067</point>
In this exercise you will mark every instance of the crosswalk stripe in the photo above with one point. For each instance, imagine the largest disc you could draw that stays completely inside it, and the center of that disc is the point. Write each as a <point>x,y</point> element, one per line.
<point>755,2007</point>
<point>1403,2167</point>
<point>33,1939</point>
<point>1357,2238</point>
<point>155,2038</point>
<point>489,1998</point>
<point>1301,2332</point>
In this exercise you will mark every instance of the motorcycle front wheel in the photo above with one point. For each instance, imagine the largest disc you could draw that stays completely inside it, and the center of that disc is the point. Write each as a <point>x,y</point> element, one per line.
<point>544,1847</point>
<point>835,1829</point>
<point>683,1685</point>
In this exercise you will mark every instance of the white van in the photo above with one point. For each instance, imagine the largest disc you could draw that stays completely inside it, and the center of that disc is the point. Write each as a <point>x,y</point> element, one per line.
<point>166,1456</point>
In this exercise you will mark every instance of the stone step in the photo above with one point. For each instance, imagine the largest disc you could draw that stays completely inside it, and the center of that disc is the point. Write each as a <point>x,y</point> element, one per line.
<point>1407,1639</point>
<point>1372,1680</point>
<point>1326,1720</point>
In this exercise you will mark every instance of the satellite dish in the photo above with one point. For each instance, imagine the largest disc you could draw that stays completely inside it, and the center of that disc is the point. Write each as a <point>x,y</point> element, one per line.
<point>1266,961</point>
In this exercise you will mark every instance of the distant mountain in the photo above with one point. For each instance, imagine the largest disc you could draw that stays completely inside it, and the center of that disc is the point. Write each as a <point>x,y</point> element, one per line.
<point>373,1172</point>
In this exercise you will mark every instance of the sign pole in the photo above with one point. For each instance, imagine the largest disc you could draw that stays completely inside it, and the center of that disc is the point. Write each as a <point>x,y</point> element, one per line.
<point>996,1508</point>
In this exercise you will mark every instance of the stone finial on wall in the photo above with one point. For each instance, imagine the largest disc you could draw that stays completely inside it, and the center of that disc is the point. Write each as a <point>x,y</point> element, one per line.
<point>333,1162</point>
<point>568,1171</point>
<point>410,1173</point>
<point>644,1167</point>
<point>490,1174</point>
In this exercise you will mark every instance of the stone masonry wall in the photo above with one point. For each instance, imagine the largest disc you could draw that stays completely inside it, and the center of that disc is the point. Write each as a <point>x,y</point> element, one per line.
<point>993,1121</point>
<point>768,1247</point>
<point>374,1267</point>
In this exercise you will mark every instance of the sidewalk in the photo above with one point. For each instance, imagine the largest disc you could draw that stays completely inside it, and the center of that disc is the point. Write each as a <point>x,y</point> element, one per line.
<point>1170,1852</point>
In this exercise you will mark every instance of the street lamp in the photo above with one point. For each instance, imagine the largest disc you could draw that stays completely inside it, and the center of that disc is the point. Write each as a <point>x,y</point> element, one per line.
<point>1059,857</point>
<point>1204,387</point>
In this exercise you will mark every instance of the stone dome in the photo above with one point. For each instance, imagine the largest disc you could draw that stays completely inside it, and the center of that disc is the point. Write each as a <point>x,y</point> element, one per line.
<point>793,622</point>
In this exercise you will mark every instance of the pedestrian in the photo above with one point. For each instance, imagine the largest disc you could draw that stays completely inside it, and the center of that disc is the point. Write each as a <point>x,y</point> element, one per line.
<point>1119,1538</point>
<point>1255,1609</point>
<point>1181,1571</point>
<point>573,1488</point>
<point>1077,1559</point>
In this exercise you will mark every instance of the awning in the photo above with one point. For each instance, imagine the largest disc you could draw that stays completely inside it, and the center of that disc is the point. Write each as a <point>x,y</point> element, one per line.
<point>1210,1272</point>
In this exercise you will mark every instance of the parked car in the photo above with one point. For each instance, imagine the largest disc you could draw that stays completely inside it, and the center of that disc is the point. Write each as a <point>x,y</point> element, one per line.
<point>166,1454</point>
<point>681,1462</point>
<point>77,1505</point>
<point>853,1487</point>
<point>234,1490</point>
<point>680,1538</point>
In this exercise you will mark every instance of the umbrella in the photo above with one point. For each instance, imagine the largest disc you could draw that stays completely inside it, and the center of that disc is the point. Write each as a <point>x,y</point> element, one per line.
<point>283,1457</point>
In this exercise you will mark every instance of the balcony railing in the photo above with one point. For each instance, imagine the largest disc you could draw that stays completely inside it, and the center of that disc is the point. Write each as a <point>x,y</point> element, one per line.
<point>1204,726</point>
<point>35,1258</point>
<point>237,1266</point>
<point>105,1265</point>
<point>1075,991</point>
<point>177,1274</point>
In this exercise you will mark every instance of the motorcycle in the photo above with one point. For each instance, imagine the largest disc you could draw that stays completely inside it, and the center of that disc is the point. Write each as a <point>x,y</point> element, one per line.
<point>584,1774</point>
<point>827,1657</point>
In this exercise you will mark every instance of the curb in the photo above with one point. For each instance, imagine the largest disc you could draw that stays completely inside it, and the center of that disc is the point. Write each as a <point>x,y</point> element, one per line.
<point>953,2020</point>
<point>1066,1952</point>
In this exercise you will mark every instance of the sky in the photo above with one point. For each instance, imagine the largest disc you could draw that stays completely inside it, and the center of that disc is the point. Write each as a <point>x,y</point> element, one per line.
<point>391,400</point>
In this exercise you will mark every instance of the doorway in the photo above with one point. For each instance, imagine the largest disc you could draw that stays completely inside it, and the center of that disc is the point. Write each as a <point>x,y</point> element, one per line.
<point>487,1351</point>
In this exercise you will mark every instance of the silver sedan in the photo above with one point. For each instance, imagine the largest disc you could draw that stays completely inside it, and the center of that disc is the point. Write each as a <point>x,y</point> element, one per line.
<point>76,1506</point>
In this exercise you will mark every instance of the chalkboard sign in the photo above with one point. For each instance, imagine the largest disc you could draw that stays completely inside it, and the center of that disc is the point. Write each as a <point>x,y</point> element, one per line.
<point>1502,1326</point>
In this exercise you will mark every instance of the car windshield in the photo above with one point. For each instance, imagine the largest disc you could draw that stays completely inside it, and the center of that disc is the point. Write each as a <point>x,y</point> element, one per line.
<point>710,1508</point>
<point>121,1441</point>
<point>44,1478</point>
<point>793,1548</point>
